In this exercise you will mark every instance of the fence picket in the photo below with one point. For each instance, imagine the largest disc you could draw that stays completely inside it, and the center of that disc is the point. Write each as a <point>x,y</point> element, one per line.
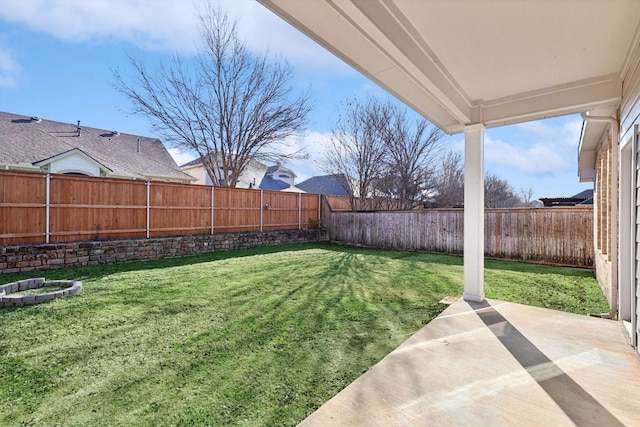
<point>65,208</point>
<point>554,235</point>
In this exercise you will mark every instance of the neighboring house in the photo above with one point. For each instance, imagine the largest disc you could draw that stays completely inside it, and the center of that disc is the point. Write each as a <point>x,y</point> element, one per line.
<point>256,175</point>
<point>586,62</point>
<point>583,198</point>
<point>34,144</point>
<point>279,178</point>
<point>330,185</point>
<point>250,177</point>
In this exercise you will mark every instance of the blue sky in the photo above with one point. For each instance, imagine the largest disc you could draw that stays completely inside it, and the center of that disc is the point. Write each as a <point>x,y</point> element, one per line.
<point>57,58</point>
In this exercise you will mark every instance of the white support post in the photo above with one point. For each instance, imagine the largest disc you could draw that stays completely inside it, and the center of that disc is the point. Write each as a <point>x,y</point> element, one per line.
<point>634,248</point>
<point>625,232</point>
<point>474,213</point>
<point>48,209</point>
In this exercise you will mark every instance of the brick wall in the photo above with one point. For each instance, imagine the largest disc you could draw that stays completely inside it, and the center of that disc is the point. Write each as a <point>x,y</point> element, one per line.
<point>602,200</point>
<point>603,222</point>
<point>23,258</point>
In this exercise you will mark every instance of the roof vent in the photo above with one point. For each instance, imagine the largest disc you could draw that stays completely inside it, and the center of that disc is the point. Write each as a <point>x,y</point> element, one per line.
<point>115,133</point>
<point>36,119</point>
<point>79,129</point>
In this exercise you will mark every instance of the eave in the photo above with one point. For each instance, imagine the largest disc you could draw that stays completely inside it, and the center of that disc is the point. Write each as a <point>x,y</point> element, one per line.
<point>384,41</point>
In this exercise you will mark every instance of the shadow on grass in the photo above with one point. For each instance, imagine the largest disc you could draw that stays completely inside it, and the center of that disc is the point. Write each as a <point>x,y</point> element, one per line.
<point>264,342</point>
<point>536,268</point>
<point>102,270</point>
<point>98,271</point>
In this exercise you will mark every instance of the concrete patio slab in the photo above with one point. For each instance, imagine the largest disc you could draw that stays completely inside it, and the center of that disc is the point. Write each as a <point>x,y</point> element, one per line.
<point>497,364</point>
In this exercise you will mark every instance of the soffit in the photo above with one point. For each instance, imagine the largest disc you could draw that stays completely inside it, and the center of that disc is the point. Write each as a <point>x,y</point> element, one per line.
<point>594,134</point>
<point>459,62</point>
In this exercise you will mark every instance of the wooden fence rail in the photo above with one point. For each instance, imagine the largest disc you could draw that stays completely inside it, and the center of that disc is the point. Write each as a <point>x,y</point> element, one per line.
<point>42,208</point>
<point>551,235</point>
<point>47,208</point>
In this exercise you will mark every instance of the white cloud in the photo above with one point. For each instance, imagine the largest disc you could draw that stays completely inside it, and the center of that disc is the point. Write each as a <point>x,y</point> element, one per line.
<point>10,70</point>
<point>314,144</point>
<point>536,159</point>
<point>181,157</point>
<point>571,131</point>
<point>535,149</point>
<point>265,32</point>
<point>566,134</point>
<point>154,25</point>
<point>168,25</point>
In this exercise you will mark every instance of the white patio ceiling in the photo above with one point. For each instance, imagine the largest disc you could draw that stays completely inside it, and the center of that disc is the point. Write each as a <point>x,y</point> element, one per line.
<point>496,62</point>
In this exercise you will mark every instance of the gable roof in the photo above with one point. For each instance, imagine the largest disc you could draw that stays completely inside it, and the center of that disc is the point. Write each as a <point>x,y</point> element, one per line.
<point>69,153</point>
<point>32,140</point>
<point>324,184</point>
<point>194,162</point>
<point>269,183</point>
<point>586,194</point>
<point>278,167</point>
<point>583,198</point>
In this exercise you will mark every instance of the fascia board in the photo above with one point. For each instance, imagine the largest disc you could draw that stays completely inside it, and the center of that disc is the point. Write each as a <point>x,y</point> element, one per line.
<point>556,101</point>
<point>73,152</point>
<point>354,39</point>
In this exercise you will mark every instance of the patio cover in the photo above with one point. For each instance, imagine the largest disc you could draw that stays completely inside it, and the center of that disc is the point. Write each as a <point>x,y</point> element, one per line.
<point>467,65</point>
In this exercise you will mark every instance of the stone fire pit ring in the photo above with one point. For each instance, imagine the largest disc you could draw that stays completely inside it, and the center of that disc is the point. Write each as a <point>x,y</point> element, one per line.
<point>72,287</point>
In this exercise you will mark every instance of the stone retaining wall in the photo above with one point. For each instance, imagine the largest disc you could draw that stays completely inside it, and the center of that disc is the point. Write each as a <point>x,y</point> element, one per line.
<point>22,258</point>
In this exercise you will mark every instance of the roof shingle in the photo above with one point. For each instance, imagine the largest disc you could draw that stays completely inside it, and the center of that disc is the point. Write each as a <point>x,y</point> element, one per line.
<point>23,140</point>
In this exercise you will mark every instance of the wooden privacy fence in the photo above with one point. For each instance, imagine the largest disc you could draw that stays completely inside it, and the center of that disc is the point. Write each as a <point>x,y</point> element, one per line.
<point>43,208</point>
<point>552,235</point>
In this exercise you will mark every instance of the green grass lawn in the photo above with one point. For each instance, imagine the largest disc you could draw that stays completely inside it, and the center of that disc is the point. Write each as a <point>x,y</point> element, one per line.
<point>254,337</point>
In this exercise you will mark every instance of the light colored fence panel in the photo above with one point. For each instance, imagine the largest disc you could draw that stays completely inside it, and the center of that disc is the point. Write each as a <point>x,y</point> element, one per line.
<point>22,207</point>
<point>554,235</point>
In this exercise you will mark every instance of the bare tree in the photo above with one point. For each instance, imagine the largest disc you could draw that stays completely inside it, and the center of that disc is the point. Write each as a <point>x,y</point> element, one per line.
<point>384,158</point>
<point>526,197</point>
<point>498,193</point>
<point>230,107</point>
<point>357,147</point>
<point>448,188</point>
<point>410,160</point>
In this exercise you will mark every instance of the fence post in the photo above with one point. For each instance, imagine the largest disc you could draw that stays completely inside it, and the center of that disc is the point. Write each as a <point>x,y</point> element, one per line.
<point>261,208</point>
<point>48,209</point>
<point>148,207</point>
<point>212,216</point>
<point>299,211</point>
<point>319,208</point>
